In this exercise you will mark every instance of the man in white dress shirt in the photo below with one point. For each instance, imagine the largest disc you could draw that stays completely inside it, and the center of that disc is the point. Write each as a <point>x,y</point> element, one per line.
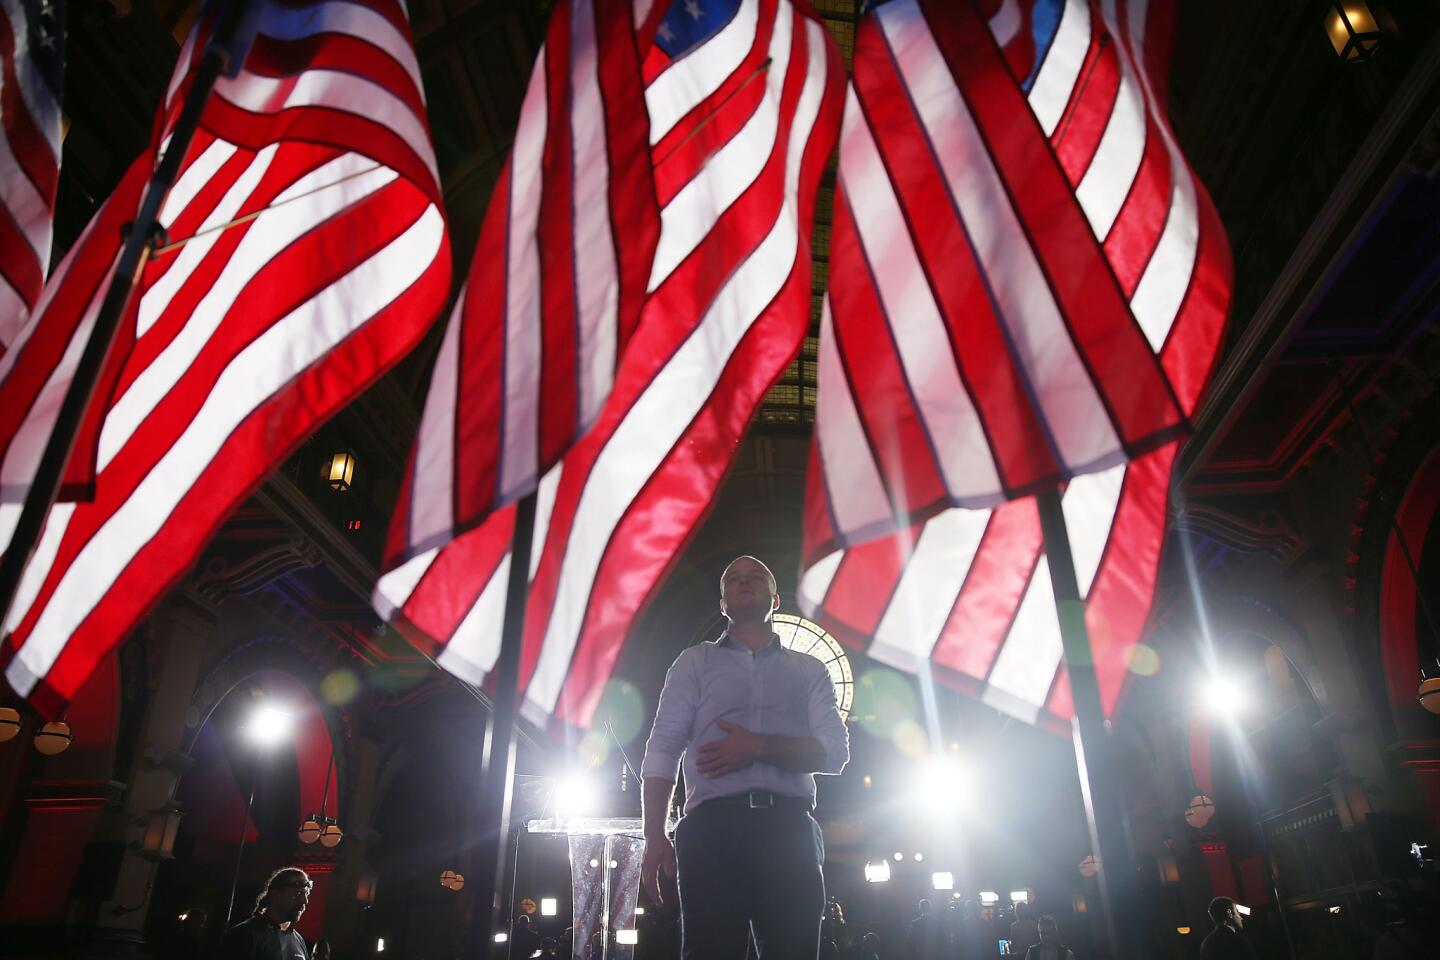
<point>754,722</point>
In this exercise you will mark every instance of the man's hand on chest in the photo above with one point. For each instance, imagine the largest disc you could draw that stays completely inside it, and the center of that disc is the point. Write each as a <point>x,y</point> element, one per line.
<point>736,750</point>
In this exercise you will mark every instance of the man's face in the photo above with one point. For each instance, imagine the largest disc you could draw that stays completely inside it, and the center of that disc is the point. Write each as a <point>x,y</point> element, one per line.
<point>288,898</point>
<point>746,593</point>
<point>1049,933</point>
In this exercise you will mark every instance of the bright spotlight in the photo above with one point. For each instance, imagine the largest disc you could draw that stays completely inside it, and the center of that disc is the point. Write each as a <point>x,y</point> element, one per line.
<point>989,897</point>
<point>639,911</point>
<point>1241,909</point>
<point>549,906</point>
<point>942,785</point>
<point>877,871</point>
<point>502,938</point>
<point>1019,896</point>
<point>919,857</point>
<point>380,945</point>
<point>942,881</point>
<point>899,856</point>
<point>268,726</point>
<point>575,795</point>
<point>1224,697</point>
<point>627,937</point>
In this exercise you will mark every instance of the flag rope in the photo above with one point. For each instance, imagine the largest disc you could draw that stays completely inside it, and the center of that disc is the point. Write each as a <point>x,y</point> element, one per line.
<point>219,227</point>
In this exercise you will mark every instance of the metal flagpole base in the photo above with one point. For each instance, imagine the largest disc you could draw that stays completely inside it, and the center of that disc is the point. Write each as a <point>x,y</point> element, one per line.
<point>1121,913</point>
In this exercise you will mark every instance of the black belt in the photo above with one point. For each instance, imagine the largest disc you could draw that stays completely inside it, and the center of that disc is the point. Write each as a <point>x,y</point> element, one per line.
<point>761,800</point>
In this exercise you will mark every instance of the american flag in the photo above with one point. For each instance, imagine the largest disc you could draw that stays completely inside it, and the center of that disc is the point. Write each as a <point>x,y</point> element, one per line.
<point>32,58</point>
<point>555,286</point>
<point>314,256</point>
<point>1028,286</point>
<point>743,100</point>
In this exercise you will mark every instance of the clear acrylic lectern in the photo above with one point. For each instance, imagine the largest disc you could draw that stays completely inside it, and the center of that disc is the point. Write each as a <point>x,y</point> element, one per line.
<point>605,856</point>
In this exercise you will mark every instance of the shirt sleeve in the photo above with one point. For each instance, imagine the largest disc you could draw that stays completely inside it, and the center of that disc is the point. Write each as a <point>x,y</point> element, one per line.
<point>674,717</point>
<point>825,723</point>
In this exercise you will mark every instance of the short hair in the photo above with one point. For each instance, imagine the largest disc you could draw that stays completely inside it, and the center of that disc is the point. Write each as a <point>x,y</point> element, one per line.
<point>769,574</point>
<point>1219,908</point>
<point>263,900</point>
<point>924,904</point>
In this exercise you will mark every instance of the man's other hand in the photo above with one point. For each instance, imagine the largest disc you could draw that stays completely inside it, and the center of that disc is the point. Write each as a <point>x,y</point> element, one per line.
<point>734,752</point>
<point>657,869</point>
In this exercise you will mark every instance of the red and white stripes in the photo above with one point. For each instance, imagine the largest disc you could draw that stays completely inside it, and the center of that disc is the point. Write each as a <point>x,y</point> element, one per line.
<point>741,127</point>
<point>32,42</point>
<point>555,287</point>
<point>240,341</point>
<point>1018,297</point>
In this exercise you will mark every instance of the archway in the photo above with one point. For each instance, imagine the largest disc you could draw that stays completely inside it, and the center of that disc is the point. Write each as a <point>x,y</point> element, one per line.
<point>290,779</point>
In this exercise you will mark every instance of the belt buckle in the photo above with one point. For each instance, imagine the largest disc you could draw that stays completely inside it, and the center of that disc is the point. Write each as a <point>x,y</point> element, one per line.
<point>760,801</point>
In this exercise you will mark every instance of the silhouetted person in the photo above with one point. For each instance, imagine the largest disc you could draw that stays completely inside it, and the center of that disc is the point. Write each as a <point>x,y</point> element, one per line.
<point>524,938</point>
<point>1225,941</point>
<point>1049,947</point>
<point>1024,932</point>
<point>924,934</point>
<point>270,932</point>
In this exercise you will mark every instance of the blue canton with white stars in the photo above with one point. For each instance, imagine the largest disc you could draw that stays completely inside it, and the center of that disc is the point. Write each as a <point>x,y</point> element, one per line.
<point>689,23</point>
<point>45,38</point>
<point>45,34</point>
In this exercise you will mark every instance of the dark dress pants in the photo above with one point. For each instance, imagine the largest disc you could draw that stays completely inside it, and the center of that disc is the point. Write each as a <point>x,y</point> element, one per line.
<point>741,868</point>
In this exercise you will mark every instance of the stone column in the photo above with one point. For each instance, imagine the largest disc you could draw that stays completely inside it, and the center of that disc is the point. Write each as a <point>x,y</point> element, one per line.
<point>183,635</point>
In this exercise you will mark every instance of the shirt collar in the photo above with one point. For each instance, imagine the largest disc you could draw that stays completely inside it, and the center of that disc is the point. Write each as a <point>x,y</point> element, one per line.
<point>725,640</point>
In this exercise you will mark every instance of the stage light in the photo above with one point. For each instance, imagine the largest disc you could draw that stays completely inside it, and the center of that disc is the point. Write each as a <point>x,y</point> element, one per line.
<point>502,938</point>
<point>899,856</point>
<point>549,906</point>
<point>1241,909</point>
<point>1019,896</point>
<point>877,871</point>
<point>627,937</point>
<point>380,945</point>
<point>1334,909</point>
<point>942,785</point>
<point>639,911</point>
<point>955,895</point>
<point>989,897</point>
<point>919,857</point>
<point>942,881</point>
<point>268,726</point>
<point>1224,697</point>
<point>575,795</point>
<point>594,863</point>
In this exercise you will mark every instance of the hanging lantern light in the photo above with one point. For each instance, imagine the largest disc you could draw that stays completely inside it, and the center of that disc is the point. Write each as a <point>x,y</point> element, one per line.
<point>340,470</point>
<point>9,723</point>
<point>1428,695</point>
<point>1200,811</point>
<point>452,880</point>
<point>331,835</point>
<point>161,826</point>
<point>1090,866</point>
<point>54,737</point>
<point>1353,31</point>
<point>310,830</point>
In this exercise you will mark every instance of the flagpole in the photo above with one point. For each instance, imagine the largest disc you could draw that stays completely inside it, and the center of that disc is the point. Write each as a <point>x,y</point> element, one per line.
<point>1104,797</point>
<point>497,764</point>
<point>141,239</point>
